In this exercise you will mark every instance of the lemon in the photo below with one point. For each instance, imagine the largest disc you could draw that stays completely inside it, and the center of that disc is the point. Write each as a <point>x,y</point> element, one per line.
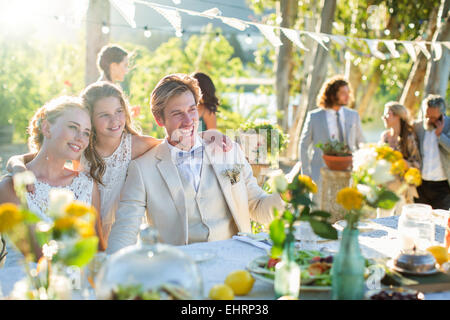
<point>241,281</point>
<point>440,253</point>
<point>221,292</point>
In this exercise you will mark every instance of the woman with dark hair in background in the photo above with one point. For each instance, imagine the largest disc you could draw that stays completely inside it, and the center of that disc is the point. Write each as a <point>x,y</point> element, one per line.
<point>207,106</point>
<point>112,62</point>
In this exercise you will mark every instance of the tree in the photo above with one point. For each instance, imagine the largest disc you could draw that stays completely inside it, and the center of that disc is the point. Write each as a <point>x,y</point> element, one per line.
<point>284,66</point>
<point>98,15</point>
<point>315,78</point>
<point>438,71</point>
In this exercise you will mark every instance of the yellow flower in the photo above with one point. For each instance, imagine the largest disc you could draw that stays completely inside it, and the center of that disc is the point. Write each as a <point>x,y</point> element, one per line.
<point>388,154</point>
<point>350,198</point>
<point>85,229</point>
<point>78,209</point>
<point>412,176</point>
<point>10,216</point>
<point>308,183</point>
<point>399,167</point>
<point>65,223</point>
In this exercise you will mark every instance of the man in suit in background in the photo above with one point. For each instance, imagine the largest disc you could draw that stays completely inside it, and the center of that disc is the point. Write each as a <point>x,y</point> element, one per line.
<point>433,132</point>
<point>191,192</point>
<point>331,121</point>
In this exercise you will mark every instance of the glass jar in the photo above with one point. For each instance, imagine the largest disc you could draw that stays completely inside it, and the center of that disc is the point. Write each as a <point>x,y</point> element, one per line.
<point>287,274</point>
<point>149,271</point>
<point>416,227</point>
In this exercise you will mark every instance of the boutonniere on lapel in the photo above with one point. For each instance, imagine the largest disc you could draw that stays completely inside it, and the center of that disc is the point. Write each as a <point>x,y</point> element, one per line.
<point>234,174</point>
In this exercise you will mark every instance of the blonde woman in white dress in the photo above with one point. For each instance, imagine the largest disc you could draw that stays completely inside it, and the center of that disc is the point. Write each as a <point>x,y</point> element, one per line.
<point>59,132</point>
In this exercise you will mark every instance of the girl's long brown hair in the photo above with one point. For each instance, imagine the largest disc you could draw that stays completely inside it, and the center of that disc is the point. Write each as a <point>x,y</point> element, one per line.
<point>90,95</point>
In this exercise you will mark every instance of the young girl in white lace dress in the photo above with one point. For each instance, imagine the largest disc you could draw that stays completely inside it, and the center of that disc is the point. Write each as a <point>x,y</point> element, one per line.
<point>59,132</point>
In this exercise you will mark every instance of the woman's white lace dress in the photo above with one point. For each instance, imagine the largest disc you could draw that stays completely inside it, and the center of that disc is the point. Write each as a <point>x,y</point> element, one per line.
<point>38,201</point>
<point>113,180</point>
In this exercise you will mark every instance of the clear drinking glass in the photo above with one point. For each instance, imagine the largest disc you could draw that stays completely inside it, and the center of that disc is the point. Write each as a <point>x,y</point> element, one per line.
<point>416,227</point>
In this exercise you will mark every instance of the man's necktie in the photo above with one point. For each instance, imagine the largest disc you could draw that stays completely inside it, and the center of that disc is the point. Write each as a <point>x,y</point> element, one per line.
<point>338,122</point>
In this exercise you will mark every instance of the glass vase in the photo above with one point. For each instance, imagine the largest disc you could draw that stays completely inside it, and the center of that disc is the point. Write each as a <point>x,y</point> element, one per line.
<point>348,268</point>
<point>287,274</point>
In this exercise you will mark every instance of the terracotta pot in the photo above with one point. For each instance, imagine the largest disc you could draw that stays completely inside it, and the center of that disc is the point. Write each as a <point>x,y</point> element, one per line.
<point>338,163</point>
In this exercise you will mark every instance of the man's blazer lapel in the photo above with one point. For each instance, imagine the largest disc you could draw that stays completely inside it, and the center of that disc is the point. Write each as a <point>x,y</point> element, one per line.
<point>170,175</point>
<point>323,126</point>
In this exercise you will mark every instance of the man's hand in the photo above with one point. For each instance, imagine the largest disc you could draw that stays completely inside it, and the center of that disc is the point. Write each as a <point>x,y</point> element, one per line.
<point>219,140</point>
<point>439,127</point>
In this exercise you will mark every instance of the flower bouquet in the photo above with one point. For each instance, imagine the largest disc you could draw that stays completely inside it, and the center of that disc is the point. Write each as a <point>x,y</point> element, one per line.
<point>61,245</point>
<point>374,167</point>
<point>295,189</point>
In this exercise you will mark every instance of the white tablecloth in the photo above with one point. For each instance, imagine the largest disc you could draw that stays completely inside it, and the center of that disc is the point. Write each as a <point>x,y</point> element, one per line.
<point>230,255</point>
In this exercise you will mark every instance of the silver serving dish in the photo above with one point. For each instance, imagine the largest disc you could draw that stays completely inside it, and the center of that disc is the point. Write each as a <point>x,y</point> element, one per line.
<point>415,263</point>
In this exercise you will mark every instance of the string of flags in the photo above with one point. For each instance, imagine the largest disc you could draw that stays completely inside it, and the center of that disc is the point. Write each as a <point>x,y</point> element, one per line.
<point>172,14</point>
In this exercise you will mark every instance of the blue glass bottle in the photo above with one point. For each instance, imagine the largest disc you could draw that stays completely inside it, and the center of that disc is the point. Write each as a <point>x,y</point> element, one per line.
<point>348,268</point>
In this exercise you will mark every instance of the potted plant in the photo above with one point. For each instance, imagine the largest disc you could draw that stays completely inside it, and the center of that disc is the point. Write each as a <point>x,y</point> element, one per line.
<point>262,141</point>
<point>336,155</point>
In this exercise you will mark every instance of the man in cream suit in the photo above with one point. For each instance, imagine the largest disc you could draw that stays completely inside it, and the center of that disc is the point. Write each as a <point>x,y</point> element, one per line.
<point>331,121</point>
<point>191,192</point>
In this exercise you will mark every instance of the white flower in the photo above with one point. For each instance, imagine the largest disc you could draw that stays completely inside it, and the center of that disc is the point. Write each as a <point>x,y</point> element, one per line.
<point>278,181</point>
<point>20,290</point>
<point>368,192</point>
<point>59,199</point>
<point>24,178</point>
<point>364,158</point>
<point>381,172</point>
<point>50,249</point>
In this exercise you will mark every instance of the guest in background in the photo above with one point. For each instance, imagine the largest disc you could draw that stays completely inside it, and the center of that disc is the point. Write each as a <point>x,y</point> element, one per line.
<point>332,120</point>
<point>400,133</point>
<point>112,62</point>
<point>208,103</point>
<point>433,132</point>
<point>400,136</point>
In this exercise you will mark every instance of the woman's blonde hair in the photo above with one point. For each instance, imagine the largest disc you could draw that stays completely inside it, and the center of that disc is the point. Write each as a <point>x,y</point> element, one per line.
<point>405,124</point>
<point>89,97</point>
<point>171,86</point>
<point>51,111</point>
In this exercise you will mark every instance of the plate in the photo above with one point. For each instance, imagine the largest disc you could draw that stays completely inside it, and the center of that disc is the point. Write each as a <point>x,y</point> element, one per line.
<point>390,264</point>
<point>258,272</point>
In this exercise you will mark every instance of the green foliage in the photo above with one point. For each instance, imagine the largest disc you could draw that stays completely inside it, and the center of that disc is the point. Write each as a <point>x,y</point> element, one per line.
<point>79,254</point>
<point>273,132</point>
<point>200,53</point>
<point>335,148</point>
<point>32,73</point>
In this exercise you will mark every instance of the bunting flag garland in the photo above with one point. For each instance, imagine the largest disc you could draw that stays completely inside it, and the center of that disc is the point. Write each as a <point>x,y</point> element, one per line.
<point>437,48</point>
<point>172,14</point>
<point>410,49</point>
<point>424,49</point>
<point>127,9</point>
<point>390,44</point>
<point>319,38</point>
<point>270,35</point>
<point>373,46</point>
<point>294,36</point>
<point>235,23</point>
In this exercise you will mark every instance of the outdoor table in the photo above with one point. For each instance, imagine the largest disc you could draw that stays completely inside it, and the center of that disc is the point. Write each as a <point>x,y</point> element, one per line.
<point>230,255</point>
